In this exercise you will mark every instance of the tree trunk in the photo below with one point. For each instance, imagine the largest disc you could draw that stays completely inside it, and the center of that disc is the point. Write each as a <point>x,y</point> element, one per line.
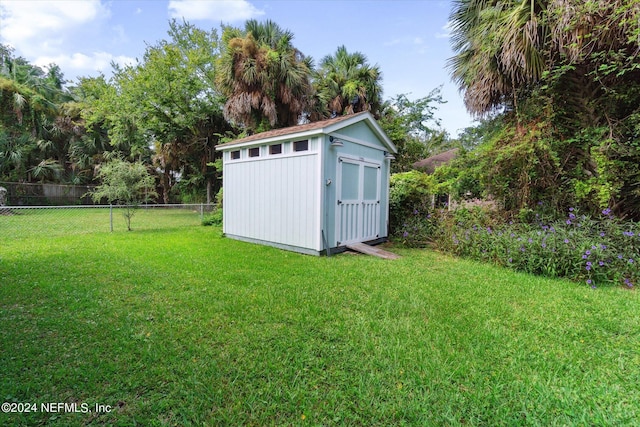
<point>166,178</point>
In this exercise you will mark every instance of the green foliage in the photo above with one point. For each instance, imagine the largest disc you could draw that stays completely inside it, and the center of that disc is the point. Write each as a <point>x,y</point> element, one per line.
<point>602,251</point>
<point>169,101</point>
<point>125,183</point>
<point>265,79</point>
<point>345,83</point>
<point>413,128</point>
<point>214,218</point>
<point>409,190</point>
<point>410,198</point>
<point>566,78</point>
<point>34,131</point>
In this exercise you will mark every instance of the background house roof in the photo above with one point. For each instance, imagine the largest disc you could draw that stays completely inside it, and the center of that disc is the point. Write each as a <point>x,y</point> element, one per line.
<point>430,164</point>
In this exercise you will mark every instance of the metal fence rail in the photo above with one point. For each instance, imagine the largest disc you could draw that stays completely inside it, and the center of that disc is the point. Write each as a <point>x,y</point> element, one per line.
<point>43,221</point>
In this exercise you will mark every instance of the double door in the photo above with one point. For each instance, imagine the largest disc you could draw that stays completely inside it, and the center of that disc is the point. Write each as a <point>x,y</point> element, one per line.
<point>358,200</point>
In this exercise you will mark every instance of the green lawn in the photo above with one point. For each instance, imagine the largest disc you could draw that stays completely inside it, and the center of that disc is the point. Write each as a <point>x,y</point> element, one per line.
<point>183,327</point>
<point>47,222</point>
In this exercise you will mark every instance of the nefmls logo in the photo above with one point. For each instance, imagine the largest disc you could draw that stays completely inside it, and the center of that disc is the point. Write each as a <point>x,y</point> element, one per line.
<point>64,407</point>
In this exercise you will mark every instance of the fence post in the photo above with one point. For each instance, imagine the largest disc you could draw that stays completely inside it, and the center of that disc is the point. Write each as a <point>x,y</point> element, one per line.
<point>111,216</point>
<point>201,211</point>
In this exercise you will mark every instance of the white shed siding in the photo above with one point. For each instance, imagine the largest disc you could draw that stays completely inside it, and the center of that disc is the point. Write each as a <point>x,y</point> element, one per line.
<point>274,199</point>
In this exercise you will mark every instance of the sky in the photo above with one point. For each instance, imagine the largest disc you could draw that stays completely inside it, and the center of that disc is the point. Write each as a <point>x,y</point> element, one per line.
<point>407,39</point>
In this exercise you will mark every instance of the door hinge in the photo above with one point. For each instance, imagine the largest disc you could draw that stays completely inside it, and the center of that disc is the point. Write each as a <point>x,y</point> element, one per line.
<point>339,202</point>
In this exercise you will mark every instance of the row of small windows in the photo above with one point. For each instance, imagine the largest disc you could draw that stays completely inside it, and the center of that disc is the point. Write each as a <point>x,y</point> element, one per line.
<point>273,149</point>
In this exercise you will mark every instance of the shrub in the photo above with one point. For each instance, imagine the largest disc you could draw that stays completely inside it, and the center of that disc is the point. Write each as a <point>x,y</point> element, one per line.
<point>410,196</point>
<point>602,251</point>
<point>595,251</point>
<point>125,183</point>
<point>214,218</point>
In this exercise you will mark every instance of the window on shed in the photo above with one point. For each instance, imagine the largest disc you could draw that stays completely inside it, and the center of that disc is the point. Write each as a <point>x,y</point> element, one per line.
<point>275,149</point>
<point>235,155</point>
<point>254,152</point>
<point>301,145</point>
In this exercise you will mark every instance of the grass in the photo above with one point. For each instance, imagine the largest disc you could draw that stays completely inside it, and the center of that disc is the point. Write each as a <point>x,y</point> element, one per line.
<point>183,327</point>
<point>63,221</point>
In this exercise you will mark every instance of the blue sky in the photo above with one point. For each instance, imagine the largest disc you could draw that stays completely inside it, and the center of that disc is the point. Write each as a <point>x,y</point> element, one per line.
<point>408,39</point>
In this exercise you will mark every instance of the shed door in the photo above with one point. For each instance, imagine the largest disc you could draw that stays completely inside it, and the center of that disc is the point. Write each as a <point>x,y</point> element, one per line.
<point>358,211</point>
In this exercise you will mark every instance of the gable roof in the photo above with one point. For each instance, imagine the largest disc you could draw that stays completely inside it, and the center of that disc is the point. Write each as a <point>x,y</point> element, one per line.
<point>430,164</point>
<point>314,128</point>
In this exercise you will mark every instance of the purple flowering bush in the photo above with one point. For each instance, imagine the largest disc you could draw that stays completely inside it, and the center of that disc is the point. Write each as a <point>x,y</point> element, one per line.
<point>417,229</point>
<point>595,251</point>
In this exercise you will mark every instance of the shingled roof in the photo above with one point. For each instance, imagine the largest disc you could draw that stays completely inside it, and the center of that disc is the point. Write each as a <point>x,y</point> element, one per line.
<point>293,129</point>
<point>430,164</point>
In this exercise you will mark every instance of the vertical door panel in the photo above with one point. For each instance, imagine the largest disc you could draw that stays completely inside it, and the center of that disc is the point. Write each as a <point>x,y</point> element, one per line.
<point>358,211</point>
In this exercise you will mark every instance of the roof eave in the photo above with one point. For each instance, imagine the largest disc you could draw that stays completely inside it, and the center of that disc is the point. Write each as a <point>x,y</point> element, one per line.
<point>329,128</point>
<point>269,140</point>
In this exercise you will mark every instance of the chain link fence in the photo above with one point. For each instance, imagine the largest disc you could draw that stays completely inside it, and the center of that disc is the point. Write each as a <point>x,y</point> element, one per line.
<point>43,221</point>
<point>44,194</point>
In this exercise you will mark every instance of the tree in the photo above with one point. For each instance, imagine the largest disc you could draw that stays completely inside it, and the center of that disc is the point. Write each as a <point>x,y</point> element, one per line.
<point>169,101</point>
<point>87,129</point>
<point>124,183</point>
<point>348,84</point>
<point>501,47</point>
<point>265,79</point>
<point>414,129</point>
<point>31,145</point>
<point>565,74</point>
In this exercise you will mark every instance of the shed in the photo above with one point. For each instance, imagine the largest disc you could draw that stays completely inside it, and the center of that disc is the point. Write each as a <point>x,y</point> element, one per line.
<point>311,187</point>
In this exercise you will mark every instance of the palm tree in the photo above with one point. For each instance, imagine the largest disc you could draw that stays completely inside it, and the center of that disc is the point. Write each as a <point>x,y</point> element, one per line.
<point>348,84</point>
<point>500,47</point>
<point>29,105</point>
<point>265,79</point>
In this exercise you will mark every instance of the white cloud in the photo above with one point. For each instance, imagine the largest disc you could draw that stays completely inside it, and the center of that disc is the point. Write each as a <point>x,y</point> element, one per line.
<point>214,10</point>
<point>27,25</point>
<point>417,41</point>
<point>46,32</point>
<point>79,64</point>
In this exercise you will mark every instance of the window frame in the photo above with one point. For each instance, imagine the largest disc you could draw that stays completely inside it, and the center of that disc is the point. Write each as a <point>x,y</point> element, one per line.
<point>301,143</point>
<point>280,148</point>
